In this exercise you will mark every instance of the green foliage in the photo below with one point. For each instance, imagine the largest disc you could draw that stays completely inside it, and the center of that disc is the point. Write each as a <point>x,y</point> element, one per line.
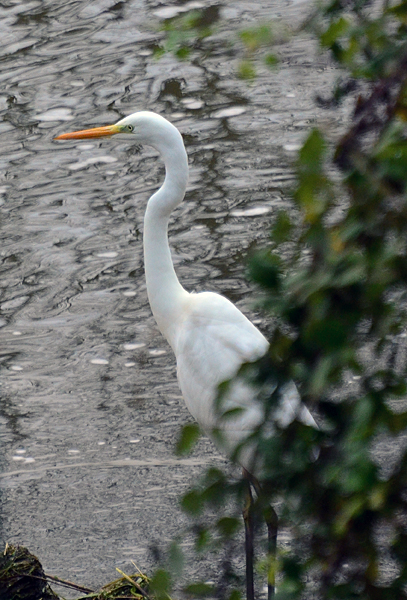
<point>366,42</point>
<point>161,584</point>
<point>246,70</point>
<point>186,31</point>
<point>188,437</point>
<point>340,296</point>
<point>256,37</point>
<point>335,284</point>
<point>259,40</point>
<point>200,590</point>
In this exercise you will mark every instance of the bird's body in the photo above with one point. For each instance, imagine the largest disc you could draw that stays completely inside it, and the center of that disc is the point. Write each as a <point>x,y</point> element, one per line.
<point>214,341</point>
<point>210,336</point>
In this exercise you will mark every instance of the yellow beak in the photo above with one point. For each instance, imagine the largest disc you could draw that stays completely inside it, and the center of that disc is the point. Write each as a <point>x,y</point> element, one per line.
<point>84,134</point>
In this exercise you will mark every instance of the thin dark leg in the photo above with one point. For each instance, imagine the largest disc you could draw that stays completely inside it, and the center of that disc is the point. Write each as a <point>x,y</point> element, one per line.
<point>249,534</point>
<point>271,519</point>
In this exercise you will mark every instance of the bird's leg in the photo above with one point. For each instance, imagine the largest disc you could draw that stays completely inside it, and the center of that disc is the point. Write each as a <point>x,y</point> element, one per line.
<point>249,534</point>
<point>271,519</point>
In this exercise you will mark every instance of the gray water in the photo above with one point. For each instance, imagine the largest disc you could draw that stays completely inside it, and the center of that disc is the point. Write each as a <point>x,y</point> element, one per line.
<point>90,406</point>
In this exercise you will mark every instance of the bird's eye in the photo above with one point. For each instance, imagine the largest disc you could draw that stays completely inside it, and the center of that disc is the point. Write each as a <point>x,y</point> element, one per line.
<point>130,127</point>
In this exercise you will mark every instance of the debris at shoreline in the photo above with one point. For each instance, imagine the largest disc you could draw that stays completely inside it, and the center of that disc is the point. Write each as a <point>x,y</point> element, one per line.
<point>22,578</point>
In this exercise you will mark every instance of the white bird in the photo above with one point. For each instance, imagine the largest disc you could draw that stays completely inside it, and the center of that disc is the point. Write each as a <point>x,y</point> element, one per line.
<point>209,335</point>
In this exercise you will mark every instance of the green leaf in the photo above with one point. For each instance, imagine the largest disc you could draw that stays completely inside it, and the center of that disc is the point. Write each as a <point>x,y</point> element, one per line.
<point>282,228</point>
<point>160,584</point>
<point>183,53</point>
<point>312,153</point>
<point>200,589</point>
<point>158,52</point>
<point>399,10</point>
<point>265,269</point>
<point>255,37</point>
<point>232,413</point>
<point>175,559</point>
<point>351,509</point>
<point>203,538</point>
<point>192,503</point>
<point>246,70</point>
<point>336,30</point>
<point>188,438</point>
<point>228,526</point>
<point>271,60</point>
<point>235,595</point>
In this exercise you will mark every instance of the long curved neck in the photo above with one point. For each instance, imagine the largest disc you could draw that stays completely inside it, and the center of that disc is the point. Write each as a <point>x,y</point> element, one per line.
<point>165,293</point>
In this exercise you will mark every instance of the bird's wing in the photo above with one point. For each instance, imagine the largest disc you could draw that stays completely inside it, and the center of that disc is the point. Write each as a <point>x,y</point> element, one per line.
<point>213,341</point>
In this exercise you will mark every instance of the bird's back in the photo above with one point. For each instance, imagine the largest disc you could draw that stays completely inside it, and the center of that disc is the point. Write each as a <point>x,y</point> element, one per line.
<point>214,339</point>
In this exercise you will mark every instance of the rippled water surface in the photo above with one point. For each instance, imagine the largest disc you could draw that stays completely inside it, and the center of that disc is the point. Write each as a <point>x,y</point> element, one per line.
<point>90,405</point>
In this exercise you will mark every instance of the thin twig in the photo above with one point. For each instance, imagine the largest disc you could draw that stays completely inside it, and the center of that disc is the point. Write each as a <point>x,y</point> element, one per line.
<point>62,583</point>
<point>69,584</point>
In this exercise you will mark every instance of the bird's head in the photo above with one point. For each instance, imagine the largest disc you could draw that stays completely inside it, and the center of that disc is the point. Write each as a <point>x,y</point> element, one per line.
<point>145,128</point>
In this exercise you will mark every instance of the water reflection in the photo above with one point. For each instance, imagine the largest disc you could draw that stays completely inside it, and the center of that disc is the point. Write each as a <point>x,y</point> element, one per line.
<point>90,406</point>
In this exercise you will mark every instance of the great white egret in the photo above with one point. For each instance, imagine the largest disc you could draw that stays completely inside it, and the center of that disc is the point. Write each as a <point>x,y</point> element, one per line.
<point>210,337</point>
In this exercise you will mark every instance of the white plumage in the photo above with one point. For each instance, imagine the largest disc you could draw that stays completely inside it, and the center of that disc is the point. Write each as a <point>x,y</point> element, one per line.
<point>210,337</point>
